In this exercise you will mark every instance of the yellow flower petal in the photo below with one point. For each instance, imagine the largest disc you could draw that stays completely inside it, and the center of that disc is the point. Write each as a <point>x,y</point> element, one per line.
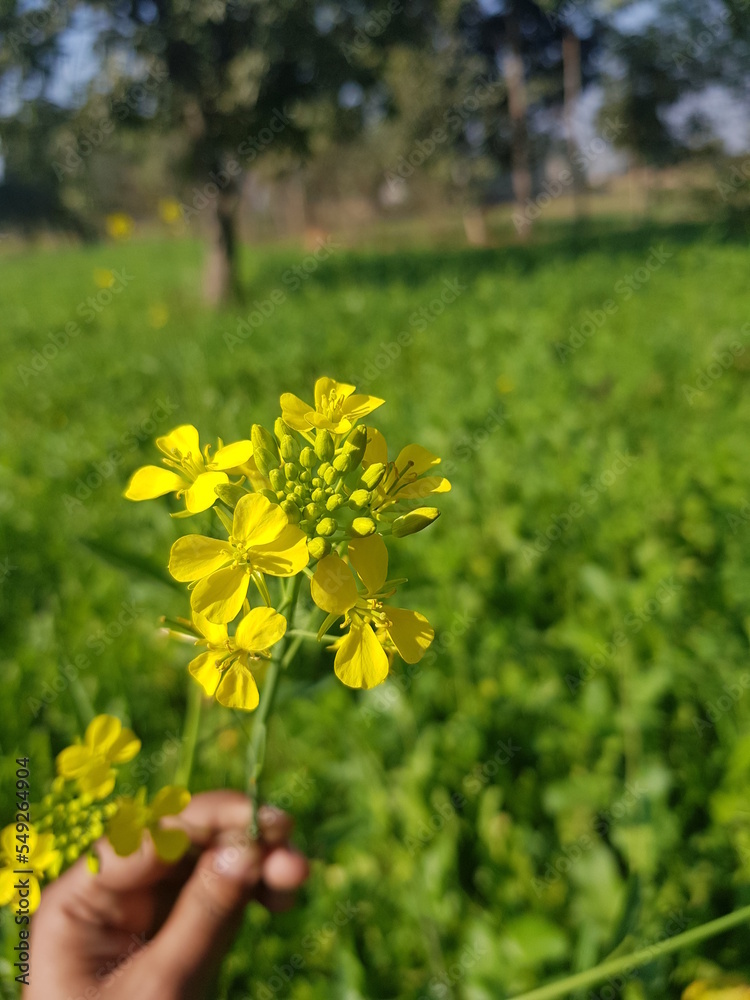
<point>102,732</point>
<point>125,828</point>
<point>180,443</point>
<point>421,459</point>
<point>238,689</point>
<point>410,632</point>
<point>35,894</point>
<point>201,494</point>
<point>333,587</point>
<point>73,761</point>
<point>219,596</point>
<point>205,669</point>
<point>260,629</point>
<point>98,780</point>
<point>7,886</point>
<point>169,801</point>
<point>286,556</point>
<point>257,521</point>
<point>125,748</point>
<point>423,488</point>
<point>369,557</point>
<point>42,853</point>
<point>152,481</point>
<point>195,556</point>
<point>170,845</point>
<point>216,634</point>
<point>295,411</point>
<point>376,450</point>
<point>361,661</point>
<point>326,387</point>
<point>359,406</point>
<point>8,844</point>
<point>232,455</point>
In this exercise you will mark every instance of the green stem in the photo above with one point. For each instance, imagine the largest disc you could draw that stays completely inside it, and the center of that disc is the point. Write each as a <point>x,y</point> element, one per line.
<point>627,963</point>
<point>257,748</point>
<point>304,634</point>
<point>189,734</point>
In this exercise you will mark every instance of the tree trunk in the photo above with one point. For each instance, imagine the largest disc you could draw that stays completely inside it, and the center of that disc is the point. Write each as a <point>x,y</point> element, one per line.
<point>571,57</point>
<point>515,81</point>
<point>221,280</point>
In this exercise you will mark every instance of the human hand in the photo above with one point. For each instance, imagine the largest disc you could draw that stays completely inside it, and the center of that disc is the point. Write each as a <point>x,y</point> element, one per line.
<point>145,929</point>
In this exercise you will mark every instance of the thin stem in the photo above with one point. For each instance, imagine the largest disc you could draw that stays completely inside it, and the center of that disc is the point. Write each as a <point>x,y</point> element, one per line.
<point>190,731</point>
<point>257,748</point>
<point>627,963</point>
<point>304,634</point>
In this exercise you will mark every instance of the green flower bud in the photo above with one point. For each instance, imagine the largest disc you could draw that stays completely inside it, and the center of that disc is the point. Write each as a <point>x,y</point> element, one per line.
<point>318,495</point>
<point>334,502</point>
<point>71,854</point>
<point>278,479</point>
<point>291,471</point>
<point>305,476</point>
<point>92,862</point>
<point>313,511</point>
<point>359,499</point>
<point>414,520</point>
<point>230,493</point>
<point>330,476</point>
<point>299,491</point>
<point>307,458</point>
<point>280,429</point>
<point>265,460</point>
<point>343,462</point>
<point>325,447</point>
<point>373,474</point>
<point>317,482</point>
<point>289,449</point>
<point>326,527</point>
<point>363,526</point>
<point>318,547</point>
<point>263,440</point>
<point>291,510</point>
<point>356,444</point>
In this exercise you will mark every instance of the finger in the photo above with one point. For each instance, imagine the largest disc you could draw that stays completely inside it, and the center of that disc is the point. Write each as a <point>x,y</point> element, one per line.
<point>285,870</point>
<point>207,913</point>
<point>275,901</point>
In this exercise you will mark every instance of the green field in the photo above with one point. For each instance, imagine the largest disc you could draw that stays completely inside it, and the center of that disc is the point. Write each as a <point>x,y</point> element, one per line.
<point>566,773</point>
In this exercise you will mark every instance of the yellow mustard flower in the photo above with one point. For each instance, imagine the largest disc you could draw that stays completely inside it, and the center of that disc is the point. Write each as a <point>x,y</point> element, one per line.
<point>41,857</point>
<point>103,277</point>
<point>90,763</point>
<point>224,669</point>
<point>133,816</point>
<point>262,541</point>
<point>119,225</point>
<point>404,479</point>
<point>337,408</point>
<point>375,630</point>
<point>170,211</point>
<point>198,473</point>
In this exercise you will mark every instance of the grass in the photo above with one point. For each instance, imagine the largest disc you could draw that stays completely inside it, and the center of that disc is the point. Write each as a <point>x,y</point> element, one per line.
<point>566,776</point>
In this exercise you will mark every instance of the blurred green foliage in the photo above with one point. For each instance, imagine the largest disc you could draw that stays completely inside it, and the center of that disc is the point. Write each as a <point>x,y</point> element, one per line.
<point>568,769</point>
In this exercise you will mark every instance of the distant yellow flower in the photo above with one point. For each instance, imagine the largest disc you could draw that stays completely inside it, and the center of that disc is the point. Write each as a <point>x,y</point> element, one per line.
<point>224,669</point>
<point>505,384</point>
<point>125,829</point>
<point>404,479</point>
<point>90,763</point>
<point>375,630</point>
<point>40,857</point>
<point>103,278</point>
<point>158,315</point>
<point>199,474</point>
<point>119,225</point>
<point>724,988</point>
<point>262,541</point>
<point>336,408</point>
<point>170,210</point>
